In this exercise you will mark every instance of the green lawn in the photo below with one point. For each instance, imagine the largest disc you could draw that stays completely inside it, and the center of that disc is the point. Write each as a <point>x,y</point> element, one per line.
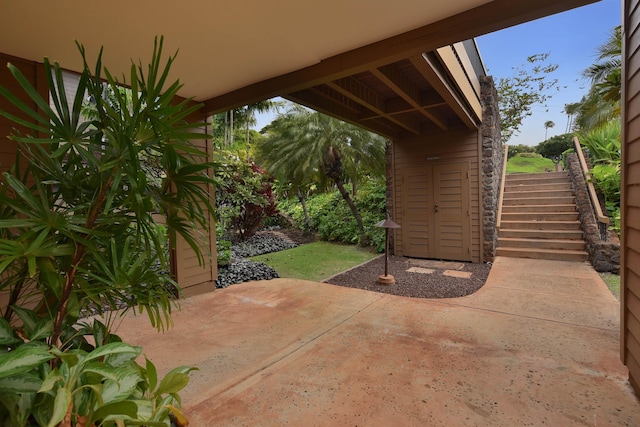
<point>529,165</point>
<point>613,283</point>
<point>315,261</point>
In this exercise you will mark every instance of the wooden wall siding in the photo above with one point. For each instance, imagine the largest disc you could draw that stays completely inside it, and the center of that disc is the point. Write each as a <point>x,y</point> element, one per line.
<point>630,271</point>
<point>192,277</point>
<point>31,71</point>
<point>70,81</point>
<point>7,147</point>
<point>413,155</point>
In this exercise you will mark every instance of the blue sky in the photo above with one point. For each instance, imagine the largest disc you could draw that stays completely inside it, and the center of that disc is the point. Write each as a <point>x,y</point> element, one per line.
<point>571,39</point>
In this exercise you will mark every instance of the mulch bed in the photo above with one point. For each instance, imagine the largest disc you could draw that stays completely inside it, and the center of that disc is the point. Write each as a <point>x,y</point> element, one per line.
<point>416,284</point>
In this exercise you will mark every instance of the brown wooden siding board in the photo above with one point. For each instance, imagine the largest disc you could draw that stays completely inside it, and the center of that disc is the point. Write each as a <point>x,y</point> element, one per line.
<point>633,152</point>
<point>634,239</point>
<point>633,198</point>
<point>634,19</point>
<point>634,288</point>
<point>633,128</point>
<point>633,107</point>
<point>633,265</point>
<point>633,173</point>
<point>634,87</point>
<point>633,333</point>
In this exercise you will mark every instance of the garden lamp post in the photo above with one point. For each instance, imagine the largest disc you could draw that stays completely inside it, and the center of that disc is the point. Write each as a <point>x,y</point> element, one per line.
<point>387,279</point>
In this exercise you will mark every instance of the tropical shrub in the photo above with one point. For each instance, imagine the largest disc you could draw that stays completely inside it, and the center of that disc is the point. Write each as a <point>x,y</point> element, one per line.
<point>78,235</point>
<point>607,178</point>
<point>244,195</point>
<point>553,147</point>
<point>331,219</point>
<point>223,249</point>
<point>603,143</point>
<point>530,155</point>
<point>515,150</point>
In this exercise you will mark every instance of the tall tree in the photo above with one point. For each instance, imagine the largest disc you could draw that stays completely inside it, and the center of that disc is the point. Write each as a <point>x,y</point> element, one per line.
<point>302,144</point>
<point>602,102</point>
<point>548,124</point>
<point>530,85</point>
<point>571,110</point>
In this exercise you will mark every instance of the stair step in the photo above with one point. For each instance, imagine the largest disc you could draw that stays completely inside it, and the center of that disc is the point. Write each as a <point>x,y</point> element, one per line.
<point>540,225</point>
<point>562,244</point>
<point>541,234</point>
<point>515,201</point>
<point>528,186</point>
<point>536,194</point>
<point>540,216</point>
<point>570,207</point>
<point>543,175</point>
<point>536,179</point>
<point>554,254</point>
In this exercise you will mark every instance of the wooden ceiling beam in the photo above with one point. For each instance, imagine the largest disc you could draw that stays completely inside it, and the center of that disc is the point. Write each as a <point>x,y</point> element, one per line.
<point>356,91</point>
<point>429,70</point>
<point>313,99</point>
<point>397,105</point>
<point>488,17</point>
<point>391,76</point>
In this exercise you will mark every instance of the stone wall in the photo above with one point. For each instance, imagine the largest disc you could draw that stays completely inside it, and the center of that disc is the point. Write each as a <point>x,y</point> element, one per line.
<point>492,158</point>
<point>604,255</point>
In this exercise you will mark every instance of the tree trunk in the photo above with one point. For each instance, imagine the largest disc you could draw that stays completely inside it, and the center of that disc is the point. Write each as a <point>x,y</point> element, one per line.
<point>364,241</point>
<point>303,202</point>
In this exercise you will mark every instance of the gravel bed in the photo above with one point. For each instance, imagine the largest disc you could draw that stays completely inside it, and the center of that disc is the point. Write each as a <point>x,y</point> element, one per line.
<point>244,271</point>
<point>411,284</point>
<point>259,244</point>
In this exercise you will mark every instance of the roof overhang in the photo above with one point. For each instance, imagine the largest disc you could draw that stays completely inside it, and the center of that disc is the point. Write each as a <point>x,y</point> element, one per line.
<point>237,53</point>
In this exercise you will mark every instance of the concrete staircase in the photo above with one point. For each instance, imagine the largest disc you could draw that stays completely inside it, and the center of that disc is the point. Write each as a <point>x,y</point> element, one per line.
<point>540,218</point>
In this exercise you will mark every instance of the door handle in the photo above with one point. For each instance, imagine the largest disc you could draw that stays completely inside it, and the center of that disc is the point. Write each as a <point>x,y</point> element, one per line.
<point>435,207</point>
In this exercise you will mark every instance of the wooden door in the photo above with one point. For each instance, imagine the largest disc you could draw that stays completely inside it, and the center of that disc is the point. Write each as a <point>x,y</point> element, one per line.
<point>435,212</point>
<point>452,219</point>
<point>417,205</point>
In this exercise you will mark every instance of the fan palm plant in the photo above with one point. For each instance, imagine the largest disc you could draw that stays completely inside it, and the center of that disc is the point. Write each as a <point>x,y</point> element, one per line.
<point>77,230</point>
<point>302,145</point>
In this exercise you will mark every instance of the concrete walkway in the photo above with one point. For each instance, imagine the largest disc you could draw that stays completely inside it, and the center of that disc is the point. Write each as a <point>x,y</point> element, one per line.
<point>537,345</point>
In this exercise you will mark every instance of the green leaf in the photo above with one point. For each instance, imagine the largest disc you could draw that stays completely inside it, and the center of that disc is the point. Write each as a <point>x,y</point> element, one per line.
<point>43,329</point>
<point>29,319</point>
<point>173,382</point>
<point>22,359</point>
<point>7,336</point>
<point>50,381</point>
<point>20,383</point>
<point>113,349</point>
<point>126,408</point>
<point>152,374</point>
<point>60,406</point>
<point>123,387</point>
<point>101,369</point>
<point>71,357</point>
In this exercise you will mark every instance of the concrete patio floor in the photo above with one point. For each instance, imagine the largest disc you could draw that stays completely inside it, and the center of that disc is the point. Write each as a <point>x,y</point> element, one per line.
<point>537,345</point>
